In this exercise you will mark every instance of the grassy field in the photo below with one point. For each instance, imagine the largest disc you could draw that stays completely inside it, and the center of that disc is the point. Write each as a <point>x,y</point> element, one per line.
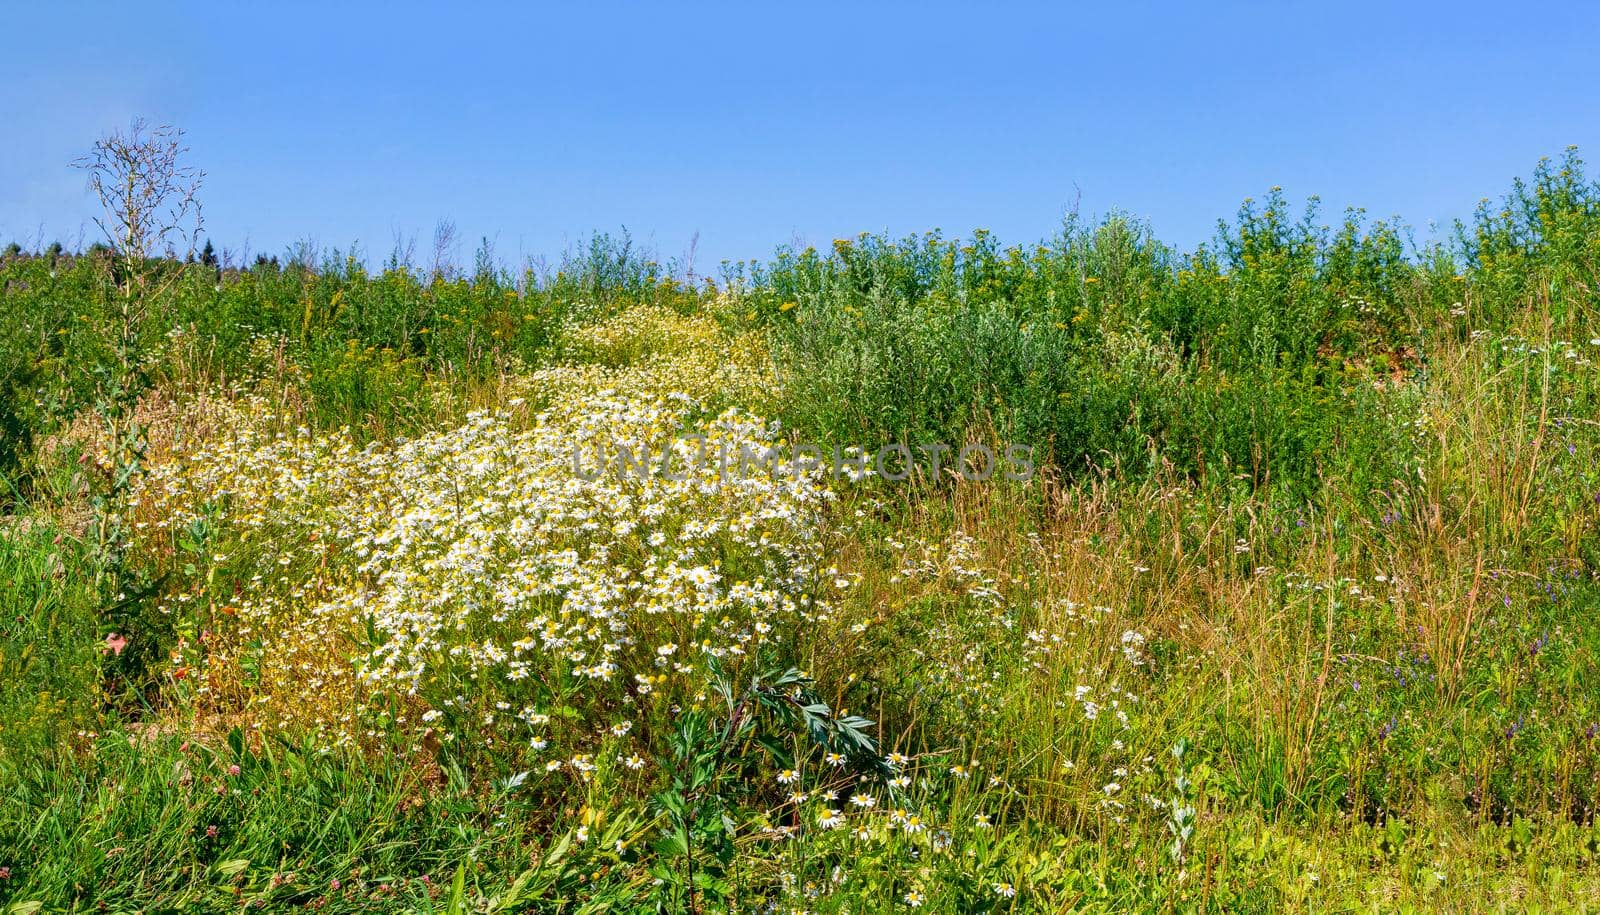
<point>307,600</point>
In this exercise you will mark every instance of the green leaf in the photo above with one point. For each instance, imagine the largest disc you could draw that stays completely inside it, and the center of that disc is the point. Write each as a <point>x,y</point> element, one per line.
<point>458,892</point>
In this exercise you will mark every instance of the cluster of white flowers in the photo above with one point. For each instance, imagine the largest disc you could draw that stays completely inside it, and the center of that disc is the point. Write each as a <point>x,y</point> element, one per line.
<point>490,566</point>
<point>485,542</point>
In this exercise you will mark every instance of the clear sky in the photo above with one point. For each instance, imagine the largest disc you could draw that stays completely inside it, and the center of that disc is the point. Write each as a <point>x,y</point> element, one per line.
<point>757,124</point>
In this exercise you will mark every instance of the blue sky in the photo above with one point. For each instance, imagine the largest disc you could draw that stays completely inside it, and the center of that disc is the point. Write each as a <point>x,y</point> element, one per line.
<point>759,124</point>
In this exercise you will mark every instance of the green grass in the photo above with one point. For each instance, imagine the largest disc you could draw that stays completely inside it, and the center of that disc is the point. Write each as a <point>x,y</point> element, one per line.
<point>1321,509</point>
<point>49,665</point>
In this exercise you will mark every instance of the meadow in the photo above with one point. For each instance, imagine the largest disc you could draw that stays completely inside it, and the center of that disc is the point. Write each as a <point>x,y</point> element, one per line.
<point>304,606</point>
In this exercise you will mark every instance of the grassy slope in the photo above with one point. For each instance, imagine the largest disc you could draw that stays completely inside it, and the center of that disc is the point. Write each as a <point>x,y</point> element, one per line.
<point>1345,499</point>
